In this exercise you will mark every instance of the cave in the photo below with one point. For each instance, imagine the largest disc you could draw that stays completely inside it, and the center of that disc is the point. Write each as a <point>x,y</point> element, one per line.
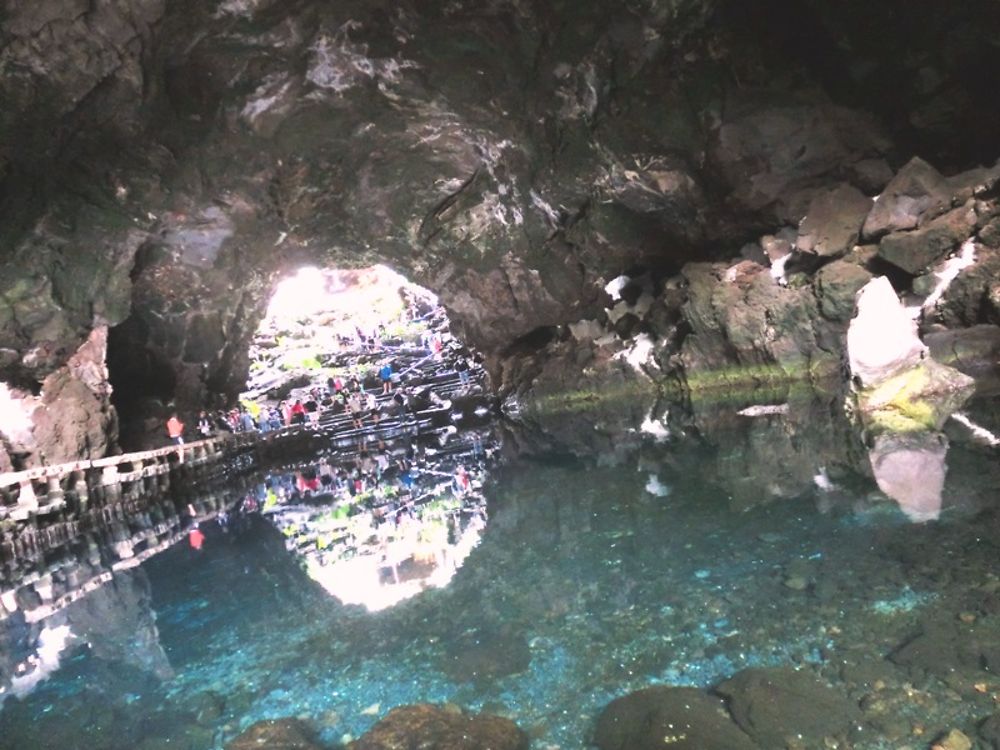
<point>714,257</point>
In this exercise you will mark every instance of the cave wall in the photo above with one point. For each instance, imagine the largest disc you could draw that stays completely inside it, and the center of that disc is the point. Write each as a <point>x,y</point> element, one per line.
<point>162,162</point>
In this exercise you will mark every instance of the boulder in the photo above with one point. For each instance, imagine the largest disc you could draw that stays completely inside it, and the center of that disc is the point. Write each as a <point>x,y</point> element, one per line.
<point>974,295</point>
<point>919,398</point>
<point>882,338</point>
<point>916,192</point>
<point>914,251</point>
<point>837,285</point>
<point>275,734</point>
<point>974,351</point>
<point>834,220</point>
<point>442,728</point>
<point>746,328</point>
<point>775,704</point>
<point>677,717</point>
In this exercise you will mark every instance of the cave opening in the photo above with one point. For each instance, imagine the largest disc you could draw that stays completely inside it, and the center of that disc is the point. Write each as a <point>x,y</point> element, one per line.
<point>321,324</point>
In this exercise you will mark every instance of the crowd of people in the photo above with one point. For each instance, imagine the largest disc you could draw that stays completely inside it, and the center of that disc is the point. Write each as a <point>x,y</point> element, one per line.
<point>366,396</point>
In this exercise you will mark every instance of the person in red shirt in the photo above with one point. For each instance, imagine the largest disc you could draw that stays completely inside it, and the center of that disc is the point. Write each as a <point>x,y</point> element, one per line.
<point>175,429</point>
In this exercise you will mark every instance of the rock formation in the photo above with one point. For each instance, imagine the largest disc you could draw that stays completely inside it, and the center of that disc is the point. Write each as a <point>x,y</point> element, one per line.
<point>162,164</point>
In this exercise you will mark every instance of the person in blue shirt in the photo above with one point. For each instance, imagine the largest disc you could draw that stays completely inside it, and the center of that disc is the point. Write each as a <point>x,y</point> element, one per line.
<point>386,375</point>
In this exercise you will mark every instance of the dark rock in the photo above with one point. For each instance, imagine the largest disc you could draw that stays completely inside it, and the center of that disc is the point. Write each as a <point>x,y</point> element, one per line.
<point>989,732</point>
<point>918,191</point>
<point>939,649</point>
<point>275,734</point>
<point>974,296</point>
<point>626,326</point>
<point>837,286</point>
<point>441,728</point>
<point>484,656</point>
<point>676,717</point>
<point>744,325</point>
<point>834,220</point>
<point>974,351</point>
<point>916,250</point>
<point>773,705</point>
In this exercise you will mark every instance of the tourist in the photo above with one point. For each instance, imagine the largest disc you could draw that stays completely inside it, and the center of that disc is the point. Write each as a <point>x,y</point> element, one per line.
<point>244,422</point>
<point>462,368</point>
<point>298,412</point>
<point>371,404</point>
<point>354,406</point>
<point>175,429</point>
<point>385,374</point>
<point>204,424</point>
<point>286,413</point>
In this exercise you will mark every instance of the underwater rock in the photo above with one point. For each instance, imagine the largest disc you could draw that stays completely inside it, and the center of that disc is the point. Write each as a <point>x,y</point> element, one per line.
<point>479,657</point>
<point>942,648</point>
<point>275,734</point>
<point>953,740</point>
<point>678,717</point>
<point>989,732</point>
<point>774,704</point>
<point>441,728</point>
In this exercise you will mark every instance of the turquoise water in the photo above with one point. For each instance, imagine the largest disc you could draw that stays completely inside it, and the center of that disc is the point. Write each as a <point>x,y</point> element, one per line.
<point>588,580</point>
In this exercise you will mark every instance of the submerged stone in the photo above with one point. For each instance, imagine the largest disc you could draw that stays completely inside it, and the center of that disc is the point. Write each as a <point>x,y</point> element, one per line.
<point>675,717</point>
<point>275,734</point>
<point>773,705</point>
<point>442,728</point>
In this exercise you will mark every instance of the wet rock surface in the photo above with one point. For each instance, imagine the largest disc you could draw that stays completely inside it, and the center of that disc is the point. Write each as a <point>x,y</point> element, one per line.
<point>444,727</point>
<point>775,706</point>
<point>677,717</point>
<point>276,734</point>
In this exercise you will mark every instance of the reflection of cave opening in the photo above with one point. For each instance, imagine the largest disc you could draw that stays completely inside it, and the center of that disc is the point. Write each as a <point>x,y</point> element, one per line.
<point>393,505</point>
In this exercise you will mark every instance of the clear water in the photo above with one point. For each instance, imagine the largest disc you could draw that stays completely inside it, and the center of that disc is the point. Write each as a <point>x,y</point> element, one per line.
<point>755,545</point>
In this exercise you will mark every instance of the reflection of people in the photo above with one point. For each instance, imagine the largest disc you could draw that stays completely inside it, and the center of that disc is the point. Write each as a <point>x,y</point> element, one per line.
<point>195,537</point>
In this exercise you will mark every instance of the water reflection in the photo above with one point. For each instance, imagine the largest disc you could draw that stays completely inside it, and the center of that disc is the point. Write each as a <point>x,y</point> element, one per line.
<point>750,541</point>
<point>382,522</point>
<point>911,470</point>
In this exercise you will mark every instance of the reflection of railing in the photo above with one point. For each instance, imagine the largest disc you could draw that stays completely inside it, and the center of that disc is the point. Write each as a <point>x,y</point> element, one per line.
<point>34,493</point>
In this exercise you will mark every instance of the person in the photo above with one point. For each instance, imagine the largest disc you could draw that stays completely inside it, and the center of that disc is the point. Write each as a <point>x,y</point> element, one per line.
<point>204,424</point>
<point>371,404</point>
<point>462,368</point>
<point>385,373</point>
<point>354,406</point>
<point>175,429</point>
<point>298,412</point>
<point>246,421</point>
